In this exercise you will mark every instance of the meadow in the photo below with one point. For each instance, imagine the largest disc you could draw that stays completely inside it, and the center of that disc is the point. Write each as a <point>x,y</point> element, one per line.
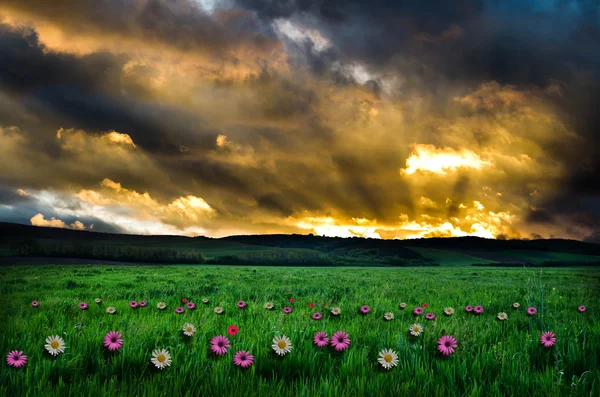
<point>492,358</point>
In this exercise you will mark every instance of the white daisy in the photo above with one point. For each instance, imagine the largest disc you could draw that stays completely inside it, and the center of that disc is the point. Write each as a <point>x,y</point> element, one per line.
<point>449,311</point>
<point>189,329</point>
<point>336,311</point>
<point>388,316</point>
<point>161,305</point>
<point>516,305</point>
<point>205,300</point>
<point>218,310</point>
<point>55,345</point>
<point>111,310</point>
<point>402,305</point>
<point>388,358</point>
<point>161,358</point>
<point>282,345</point>
<point>416,329</point>
<point>269,305</point>
<point>98,300</point>
<point>502,316</point>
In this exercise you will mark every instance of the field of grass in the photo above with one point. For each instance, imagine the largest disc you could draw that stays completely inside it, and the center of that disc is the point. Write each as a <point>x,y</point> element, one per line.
<point>448,257</point>
<point>492,358</point>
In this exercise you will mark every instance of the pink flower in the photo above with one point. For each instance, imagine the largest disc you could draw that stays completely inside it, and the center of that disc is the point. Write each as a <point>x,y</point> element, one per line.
<point>219,345</point>
<point>478,309</point>
<point>113,340</point>
<point>317,316</point>
<point>292,300</point>
<point>179,310</point>
<point>446,345</point>
<point>581,308</point>
<point>311,305</point>
<point>241,304</point>
<point>243,359</point>
<point>321,339</point>
<point>36,304</point>
<point>83,305</point>
<point>548,339</point>
<point>365,309</point>
<point>531,311</point>
<point>340,341</point>
<point>16,359</point>
<point>287,310</point>
<point>417,311</point>
<point>468,309</point>
<point>133,304</point>
<point>143,304</point>
<point>430,316</point>
<point>424,304</point>
<point>190,305</point>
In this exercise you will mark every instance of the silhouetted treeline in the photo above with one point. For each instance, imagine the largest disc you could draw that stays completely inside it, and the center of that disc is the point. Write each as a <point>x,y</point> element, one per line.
<point>104,252</point>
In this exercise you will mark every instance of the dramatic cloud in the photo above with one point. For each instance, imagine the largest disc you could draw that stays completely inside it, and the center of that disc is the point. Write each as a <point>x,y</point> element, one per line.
<point>348,118</point>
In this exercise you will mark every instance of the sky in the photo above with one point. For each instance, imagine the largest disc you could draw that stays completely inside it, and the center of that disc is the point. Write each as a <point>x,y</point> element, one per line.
<point>380,118</point>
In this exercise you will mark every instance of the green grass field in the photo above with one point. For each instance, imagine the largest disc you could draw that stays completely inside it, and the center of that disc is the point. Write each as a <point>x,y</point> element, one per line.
<point>492,358</point>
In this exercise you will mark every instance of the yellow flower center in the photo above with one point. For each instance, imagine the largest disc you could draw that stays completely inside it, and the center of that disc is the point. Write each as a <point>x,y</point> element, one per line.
<point>55,344</point>
<point>388,358</point>
<point>416,329</point>
<point>281,344</point>
<point>161,358</point>
<point>189,329</point>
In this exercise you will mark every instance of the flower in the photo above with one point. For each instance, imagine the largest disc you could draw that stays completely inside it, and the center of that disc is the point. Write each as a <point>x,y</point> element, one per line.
<point>336,311</point>
<point>161,305</point>
<point>402,306</point>
<point>205,301</point>
<point>35,303</point>
<point>449,311</point>
<point>531,311</point>
<point>111,310</point>
<point>219,345</point>
<point>581,309</point>
<point>98,300</point>
<point>365,309</point>
<point>287,310</point>
<point>340,341</point>
<point>429,316</point>
<point>189,329</point>
<point>416,329</point>
<point>417,311</point>
<point>317,316</point>
<point>478,309</point>
<point>446,345</point>
<point>161,358</point>
<point>113,340</point>
<point>282,345</point>
<point>190,305</point>
<point>16,359</point>
<point>548,339</point>
<point>243,359</point>
<point>83,305</point>
<point>321,339</point>
<point>388,358</point>
<point>292,300</point>
<point>502,316</point>
<point>388,316</point>
<point>468,308</point>
<point>269,305</point>
<point>241,304</point>
<point>516,305</point>
<point>233,330</point>
<point>179,310</point>
<point>218,310</point>
<point>424,304</point>
<point>183,300</point>
<point>142,303</point>
<point>55,345</point>
<point>311,305</point>
<point>133,304</point>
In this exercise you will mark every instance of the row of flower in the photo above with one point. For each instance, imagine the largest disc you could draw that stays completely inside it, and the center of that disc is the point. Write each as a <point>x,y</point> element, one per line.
<point>336,311</point>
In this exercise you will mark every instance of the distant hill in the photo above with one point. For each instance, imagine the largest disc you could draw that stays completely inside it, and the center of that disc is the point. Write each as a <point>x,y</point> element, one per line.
<point>18,240</point>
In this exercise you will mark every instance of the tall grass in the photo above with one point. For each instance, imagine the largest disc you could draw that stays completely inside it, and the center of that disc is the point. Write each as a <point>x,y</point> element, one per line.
<point>493,358</point>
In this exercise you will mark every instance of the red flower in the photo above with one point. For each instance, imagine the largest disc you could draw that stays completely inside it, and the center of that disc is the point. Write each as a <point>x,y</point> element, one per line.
<point>183,300</point>
<point>292,300</point>
<point>424,304</point>
<point>233,330</point>
<point>311,304</point>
